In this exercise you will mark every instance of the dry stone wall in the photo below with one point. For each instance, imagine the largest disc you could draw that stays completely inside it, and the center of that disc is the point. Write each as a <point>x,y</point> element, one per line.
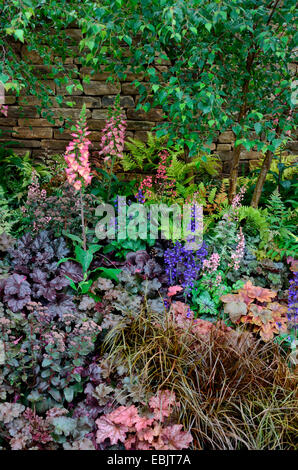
<point>35,134</point>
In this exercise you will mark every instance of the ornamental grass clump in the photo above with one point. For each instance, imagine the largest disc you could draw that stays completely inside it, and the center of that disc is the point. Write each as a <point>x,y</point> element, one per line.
<point>235,391</point>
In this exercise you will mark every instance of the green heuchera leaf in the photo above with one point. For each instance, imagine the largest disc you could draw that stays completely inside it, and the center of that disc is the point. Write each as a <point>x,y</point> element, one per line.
<point>64,425</point>
<point>68,393</point>
<point>34,396</point>
<point>206,304</point>
<point>55,394</point>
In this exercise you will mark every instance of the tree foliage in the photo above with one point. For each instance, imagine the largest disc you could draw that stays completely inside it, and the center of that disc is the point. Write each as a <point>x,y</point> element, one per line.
<point>227,61</point>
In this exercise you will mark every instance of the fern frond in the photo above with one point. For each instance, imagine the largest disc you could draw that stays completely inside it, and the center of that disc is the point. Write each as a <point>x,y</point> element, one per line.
<point>256,219</point>
<point>212,195</point>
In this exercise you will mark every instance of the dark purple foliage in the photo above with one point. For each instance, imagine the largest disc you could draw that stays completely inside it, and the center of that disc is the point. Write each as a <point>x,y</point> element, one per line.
<point>141,263</point>
<point>37,276</point>
<point>63,304</point>
<point>72,270</point>
<point>17,292</point>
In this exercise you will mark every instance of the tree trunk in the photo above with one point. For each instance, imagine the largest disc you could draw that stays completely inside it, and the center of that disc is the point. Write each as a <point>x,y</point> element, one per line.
<point>242,113</point>
<point>261,179</point>
<point>234,173</point>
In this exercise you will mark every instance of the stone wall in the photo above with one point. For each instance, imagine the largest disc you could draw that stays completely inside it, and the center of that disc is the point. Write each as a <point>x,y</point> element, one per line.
<point>38,136</point>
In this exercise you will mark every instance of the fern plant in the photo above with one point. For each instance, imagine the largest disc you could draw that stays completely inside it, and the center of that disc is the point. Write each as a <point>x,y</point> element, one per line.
<point>17,171</point>
<point>200,164</point>
<point>144,156</point>
<point>256,221</point>
<point>8,217</point>
<point>283,225</point>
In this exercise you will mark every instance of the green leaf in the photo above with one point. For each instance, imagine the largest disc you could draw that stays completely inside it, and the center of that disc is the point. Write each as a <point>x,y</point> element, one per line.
<point>68,393</point>
<point>109,273</point>
<point>85,286</point>
<point>3,78</point>
<point>34,396</point>
<point>46,362</point>
<point>258,127</point>
<point>208,26</point>
<point>128,40</point>
<point>63,260</point>
<point>19,34</point>
<point>69,88</point>
<point>72,237</point>
<point>94,248</point>
<point>55,394</point>
<point>90,43</point>
<point>84,257</point>
<point>161,132</point>
<point>71,282</point>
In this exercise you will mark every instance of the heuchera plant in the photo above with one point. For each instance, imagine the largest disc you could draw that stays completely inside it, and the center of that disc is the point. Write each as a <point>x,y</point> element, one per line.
<point>44,357</point>
<point>23,429</point>
<point>59,211</point>
<point>253,305</point>
<point>150,430</point>
<point>37,276</point>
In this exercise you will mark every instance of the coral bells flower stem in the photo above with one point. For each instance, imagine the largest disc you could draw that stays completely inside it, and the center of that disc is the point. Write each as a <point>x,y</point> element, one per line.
<point>238,254</point>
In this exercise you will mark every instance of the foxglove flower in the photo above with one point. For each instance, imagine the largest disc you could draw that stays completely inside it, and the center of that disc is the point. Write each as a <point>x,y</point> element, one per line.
<point>78,170</point>
<point>113,135</point>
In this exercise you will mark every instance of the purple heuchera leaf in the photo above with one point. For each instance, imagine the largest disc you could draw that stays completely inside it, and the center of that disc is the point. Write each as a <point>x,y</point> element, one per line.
<point>48,293</point>
<point>59,282</point>
<point>72,270</point>
<point>141,263</point>
<point>138,258</point>
<point>43,257</point>
<point>39,276</point>
<point>61,306</point>
<point>17,292</point>
<point>152,269</point>
<point>60,248</point>
<point>49,290</point>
